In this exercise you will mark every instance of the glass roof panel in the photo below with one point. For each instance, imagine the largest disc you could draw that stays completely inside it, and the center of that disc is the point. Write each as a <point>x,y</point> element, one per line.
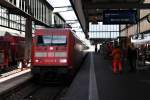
<point>63,7</point>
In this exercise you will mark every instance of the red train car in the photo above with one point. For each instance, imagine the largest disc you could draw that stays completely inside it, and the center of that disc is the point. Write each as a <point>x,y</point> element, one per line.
<point>56,50</point>
<point>11,50</point>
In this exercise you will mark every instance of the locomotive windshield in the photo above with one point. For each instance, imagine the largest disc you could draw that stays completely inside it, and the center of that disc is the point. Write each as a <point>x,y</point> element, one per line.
<point>48,40</point>
<point>44,40</point>
<point>59,40</point>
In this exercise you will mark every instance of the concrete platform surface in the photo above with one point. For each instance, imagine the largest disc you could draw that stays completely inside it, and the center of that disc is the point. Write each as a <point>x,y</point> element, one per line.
<point>96,81</point>
<point>12,81</point>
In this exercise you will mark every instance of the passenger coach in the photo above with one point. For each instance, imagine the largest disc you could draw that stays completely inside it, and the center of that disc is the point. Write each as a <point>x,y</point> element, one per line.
<point>56,50</point>
<point>10,47</point>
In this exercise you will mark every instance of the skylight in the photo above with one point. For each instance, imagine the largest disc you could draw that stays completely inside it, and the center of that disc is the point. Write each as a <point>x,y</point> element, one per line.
<point>63,7</point>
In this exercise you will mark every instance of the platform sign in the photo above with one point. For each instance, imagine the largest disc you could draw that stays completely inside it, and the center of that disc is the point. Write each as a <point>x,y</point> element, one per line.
<point>120,17</point>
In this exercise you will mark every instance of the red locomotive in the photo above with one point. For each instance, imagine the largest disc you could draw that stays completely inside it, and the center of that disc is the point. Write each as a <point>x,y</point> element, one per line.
<point>56,50</point>
<point>11,50</point>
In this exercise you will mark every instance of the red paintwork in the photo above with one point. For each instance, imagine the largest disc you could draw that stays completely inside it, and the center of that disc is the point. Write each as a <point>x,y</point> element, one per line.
<point>53,62</point>
<point>50,61</point>
<point>11,46</point>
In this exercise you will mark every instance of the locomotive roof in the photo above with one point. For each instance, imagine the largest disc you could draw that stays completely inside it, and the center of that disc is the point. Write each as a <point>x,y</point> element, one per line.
<point>65,29</point>
<point>62,29</point>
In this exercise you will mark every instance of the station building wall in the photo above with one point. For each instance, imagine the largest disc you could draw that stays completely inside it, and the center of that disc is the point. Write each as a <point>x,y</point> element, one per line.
<point>142,26</point>
<point>39,9</point>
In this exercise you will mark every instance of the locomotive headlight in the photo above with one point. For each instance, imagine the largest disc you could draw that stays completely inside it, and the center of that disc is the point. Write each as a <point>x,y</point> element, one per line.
<point>63,60</point>
<point>37,60</point>
<point>51,48</point>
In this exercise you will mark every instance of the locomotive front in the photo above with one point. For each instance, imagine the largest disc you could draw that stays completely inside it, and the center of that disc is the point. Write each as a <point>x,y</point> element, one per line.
<point>50,50</point>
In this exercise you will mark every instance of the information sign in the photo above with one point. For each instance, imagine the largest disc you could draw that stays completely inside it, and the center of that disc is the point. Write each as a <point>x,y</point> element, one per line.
<point>120,17</point>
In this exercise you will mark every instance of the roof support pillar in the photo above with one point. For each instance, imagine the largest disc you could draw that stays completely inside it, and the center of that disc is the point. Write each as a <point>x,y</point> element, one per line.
<point>28,39</point>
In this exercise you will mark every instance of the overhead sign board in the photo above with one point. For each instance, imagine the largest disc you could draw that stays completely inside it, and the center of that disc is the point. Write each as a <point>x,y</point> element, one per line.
<point>120,17</point>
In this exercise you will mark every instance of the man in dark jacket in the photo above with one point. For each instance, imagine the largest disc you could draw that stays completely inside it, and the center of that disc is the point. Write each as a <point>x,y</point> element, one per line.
<point>132,56</point>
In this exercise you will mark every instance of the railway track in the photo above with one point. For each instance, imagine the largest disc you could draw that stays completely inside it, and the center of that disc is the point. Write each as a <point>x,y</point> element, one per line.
<point>36,91</point>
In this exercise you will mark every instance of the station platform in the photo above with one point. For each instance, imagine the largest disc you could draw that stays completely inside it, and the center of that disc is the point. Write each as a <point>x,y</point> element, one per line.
<point>10,82</point>
<point>96,81</point>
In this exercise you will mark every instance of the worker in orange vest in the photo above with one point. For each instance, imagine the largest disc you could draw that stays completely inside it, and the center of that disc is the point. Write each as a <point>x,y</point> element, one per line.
<point>116,54</point>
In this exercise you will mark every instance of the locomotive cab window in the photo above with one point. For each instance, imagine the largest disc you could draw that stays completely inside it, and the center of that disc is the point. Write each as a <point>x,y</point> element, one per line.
<point>59,40</point>
<point>44,40</point>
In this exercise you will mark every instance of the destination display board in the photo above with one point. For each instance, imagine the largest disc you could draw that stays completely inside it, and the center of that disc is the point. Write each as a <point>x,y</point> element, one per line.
<point>120,17</point>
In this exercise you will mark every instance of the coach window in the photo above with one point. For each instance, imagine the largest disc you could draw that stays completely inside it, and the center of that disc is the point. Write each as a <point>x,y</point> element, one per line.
<point>1,56</point>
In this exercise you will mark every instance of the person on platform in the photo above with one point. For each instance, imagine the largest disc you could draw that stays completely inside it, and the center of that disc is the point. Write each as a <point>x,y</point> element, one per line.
<point>96,48</point>
<point>116,54</point>
<point>132,56</point>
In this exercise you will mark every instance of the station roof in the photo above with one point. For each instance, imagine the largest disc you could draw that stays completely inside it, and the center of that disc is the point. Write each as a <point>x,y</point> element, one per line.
<point>12,9</point>
<point>92,10</point>
<point>64,9</point>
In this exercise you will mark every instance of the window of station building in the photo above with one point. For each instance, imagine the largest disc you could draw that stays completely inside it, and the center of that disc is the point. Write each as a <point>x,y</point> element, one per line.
<point>14,2</point>
<point>34,8</point>
<point>45,13</point>
<point>18,19</point>
<point>42,11</point>
<point>26,6</point>
<point>3,12</point>
<point>103,31</point>
<point>29,4</point>
<point>114,34</point>
<point>147,35</point>
<point>23,5</point>
<point>0,20</point>
<point>23,27</point>
<point>39,11</point>
<point>20,3</point>
<point>39,6</point>
<point>10,20</point>
<point>11,23</point>
<point>17,3</point>
<point>31,7</point>
<point>10,1</point>
<point>4,16</point>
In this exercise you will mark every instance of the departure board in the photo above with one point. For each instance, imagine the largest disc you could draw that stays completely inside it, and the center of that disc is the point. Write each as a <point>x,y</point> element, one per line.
<point>120,17</point>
